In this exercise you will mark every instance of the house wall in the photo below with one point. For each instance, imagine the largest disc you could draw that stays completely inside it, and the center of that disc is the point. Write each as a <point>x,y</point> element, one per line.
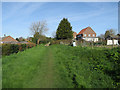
<point>112,42</point>
<point>91,39</point>
<point>89,31</point>
<point>74,35</point>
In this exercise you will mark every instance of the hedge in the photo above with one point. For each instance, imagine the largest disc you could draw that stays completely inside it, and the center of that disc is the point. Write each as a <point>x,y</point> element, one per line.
<point>8,49</point>
<point>63,41</point>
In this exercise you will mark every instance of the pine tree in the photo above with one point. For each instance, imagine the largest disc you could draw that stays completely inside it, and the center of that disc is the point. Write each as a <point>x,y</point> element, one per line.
<point>64,30</point>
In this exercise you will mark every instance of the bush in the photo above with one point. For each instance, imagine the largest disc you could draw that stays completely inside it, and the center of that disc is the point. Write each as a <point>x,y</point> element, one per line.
<point>8,49</point>
<point>22,47</point>
<point>64,41</point>
<point>14,48</point>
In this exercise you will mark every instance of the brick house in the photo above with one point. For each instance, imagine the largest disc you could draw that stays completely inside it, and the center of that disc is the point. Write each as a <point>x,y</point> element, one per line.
<point>88,34</point>
<point>8,39</point>
<point>74,35</point>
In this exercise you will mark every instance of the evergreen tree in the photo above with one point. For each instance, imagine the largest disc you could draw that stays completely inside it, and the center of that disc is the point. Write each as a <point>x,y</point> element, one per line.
<point>17,39</point>
<point>64,30</point>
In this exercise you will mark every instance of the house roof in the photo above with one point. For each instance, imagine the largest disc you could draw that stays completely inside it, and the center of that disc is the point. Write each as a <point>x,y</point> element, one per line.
<point>112,37</point>
<point>8,40</point>
<point>25,42</point>
<point>83,30</point>
<point>74,33</point>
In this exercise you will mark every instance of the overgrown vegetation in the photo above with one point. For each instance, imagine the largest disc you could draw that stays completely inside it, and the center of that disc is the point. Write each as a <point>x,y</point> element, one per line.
<point>89,68</point>
<point>73,67</point>
<point>8,49</point>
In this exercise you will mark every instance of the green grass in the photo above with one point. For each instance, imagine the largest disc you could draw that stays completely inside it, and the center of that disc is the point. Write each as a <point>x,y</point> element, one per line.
<point>76,70</point>
<point>20,68</point>
<point>0,73</point>
<point>58,66</point>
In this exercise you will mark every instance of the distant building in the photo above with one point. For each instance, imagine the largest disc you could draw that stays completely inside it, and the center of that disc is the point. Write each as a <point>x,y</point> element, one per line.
<point>87,34</point>
<point>0,39</point>
<point>8,39</point>
<point>112,40</point>
<point>29,38</point>
<point>74,35</point>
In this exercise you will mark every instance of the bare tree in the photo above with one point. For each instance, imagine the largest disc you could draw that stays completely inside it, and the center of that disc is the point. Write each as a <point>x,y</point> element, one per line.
<point>102,36</point>
<point>39,27</point>
<point>112,32</point>
<point>38,30</point>
<point>54,34</point>
<point>21,39</point>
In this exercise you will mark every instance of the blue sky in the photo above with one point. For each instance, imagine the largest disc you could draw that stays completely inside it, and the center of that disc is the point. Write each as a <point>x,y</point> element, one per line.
<point>17,17</point>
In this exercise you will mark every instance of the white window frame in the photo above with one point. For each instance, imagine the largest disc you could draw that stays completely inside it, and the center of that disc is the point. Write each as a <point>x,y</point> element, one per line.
<point>89,35</point>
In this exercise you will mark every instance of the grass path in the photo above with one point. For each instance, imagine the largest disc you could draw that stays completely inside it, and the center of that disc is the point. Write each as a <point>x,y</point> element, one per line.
<point>33,68</point>
<point>49,70</point>
<point>45,78</point>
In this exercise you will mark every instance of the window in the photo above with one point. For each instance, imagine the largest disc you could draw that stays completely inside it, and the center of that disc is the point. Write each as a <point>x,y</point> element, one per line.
<point>89,35</point>
<point>93,35</point>
<point>84,34</point>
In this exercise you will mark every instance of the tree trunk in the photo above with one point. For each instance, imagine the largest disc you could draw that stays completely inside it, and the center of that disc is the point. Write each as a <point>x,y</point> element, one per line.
<point>38,41</point>
<point>113,42</point>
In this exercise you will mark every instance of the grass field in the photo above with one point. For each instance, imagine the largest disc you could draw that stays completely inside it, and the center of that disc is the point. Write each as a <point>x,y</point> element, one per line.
<point>58,66</point>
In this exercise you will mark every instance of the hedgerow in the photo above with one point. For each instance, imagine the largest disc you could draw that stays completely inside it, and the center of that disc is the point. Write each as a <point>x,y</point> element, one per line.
<point>8,49</point>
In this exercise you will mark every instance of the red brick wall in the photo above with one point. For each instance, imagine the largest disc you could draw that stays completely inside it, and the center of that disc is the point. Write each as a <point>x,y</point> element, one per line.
<point>89,31</point>
<point>74,34</point>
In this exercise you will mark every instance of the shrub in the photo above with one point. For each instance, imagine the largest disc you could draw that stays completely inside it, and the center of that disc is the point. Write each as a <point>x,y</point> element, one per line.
<point>8,49</point>
<point>64,41</point>
<point>14,48</point>
<point>22,47</point>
